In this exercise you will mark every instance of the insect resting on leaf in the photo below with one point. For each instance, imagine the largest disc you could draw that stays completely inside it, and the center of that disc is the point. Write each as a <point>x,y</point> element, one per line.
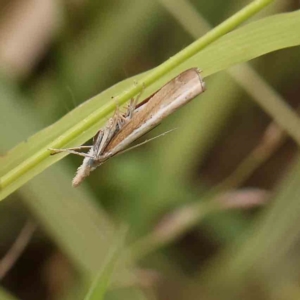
<point>124,128</point>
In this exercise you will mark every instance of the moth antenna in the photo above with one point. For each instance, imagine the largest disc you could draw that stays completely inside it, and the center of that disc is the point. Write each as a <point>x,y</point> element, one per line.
<point>147,141</point>
<point>71,151</point>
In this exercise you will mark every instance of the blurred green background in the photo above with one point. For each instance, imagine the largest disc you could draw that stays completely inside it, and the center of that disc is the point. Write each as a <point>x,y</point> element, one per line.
<point>211,209</point>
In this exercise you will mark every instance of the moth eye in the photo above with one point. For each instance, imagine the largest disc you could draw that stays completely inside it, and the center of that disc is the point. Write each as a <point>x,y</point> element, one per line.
<point>90,162</point>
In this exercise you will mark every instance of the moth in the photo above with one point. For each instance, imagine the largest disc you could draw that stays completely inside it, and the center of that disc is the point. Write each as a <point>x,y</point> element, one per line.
<point>124,128</point>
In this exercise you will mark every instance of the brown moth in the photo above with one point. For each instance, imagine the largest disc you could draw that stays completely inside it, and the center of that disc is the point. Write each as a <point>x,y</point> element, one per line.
<point>123,129</point>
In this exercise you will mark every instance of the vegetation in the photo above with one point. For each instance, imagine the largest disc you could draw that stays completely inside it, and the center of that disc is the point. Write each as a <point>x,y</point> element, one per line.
<point>211,210</point>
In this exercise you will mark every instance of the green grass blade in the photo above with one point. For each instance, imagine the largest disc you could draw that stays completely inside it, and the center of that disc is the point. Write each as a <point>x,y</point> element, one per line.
<point>101,283</point>
<point>269,246</point>
<point>253,40</point>
<point>86,227</point>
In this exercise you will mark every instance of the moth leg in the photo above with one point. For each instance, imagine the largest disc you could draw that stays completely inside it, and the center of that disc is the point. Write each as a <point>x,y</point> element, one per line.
<point>130,109</point>
<point>117,115</point>
<point>134,102</point>
<point>72,151</point>
<point>132,106</point>
<point>108,132</point>
<point>118,118</point>
<point>137,98</point>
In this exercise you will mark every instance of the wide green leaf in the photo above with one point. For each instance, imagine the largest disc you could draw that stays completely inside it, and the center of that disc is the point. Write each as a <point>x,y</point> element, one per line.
<point>253,40</point>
